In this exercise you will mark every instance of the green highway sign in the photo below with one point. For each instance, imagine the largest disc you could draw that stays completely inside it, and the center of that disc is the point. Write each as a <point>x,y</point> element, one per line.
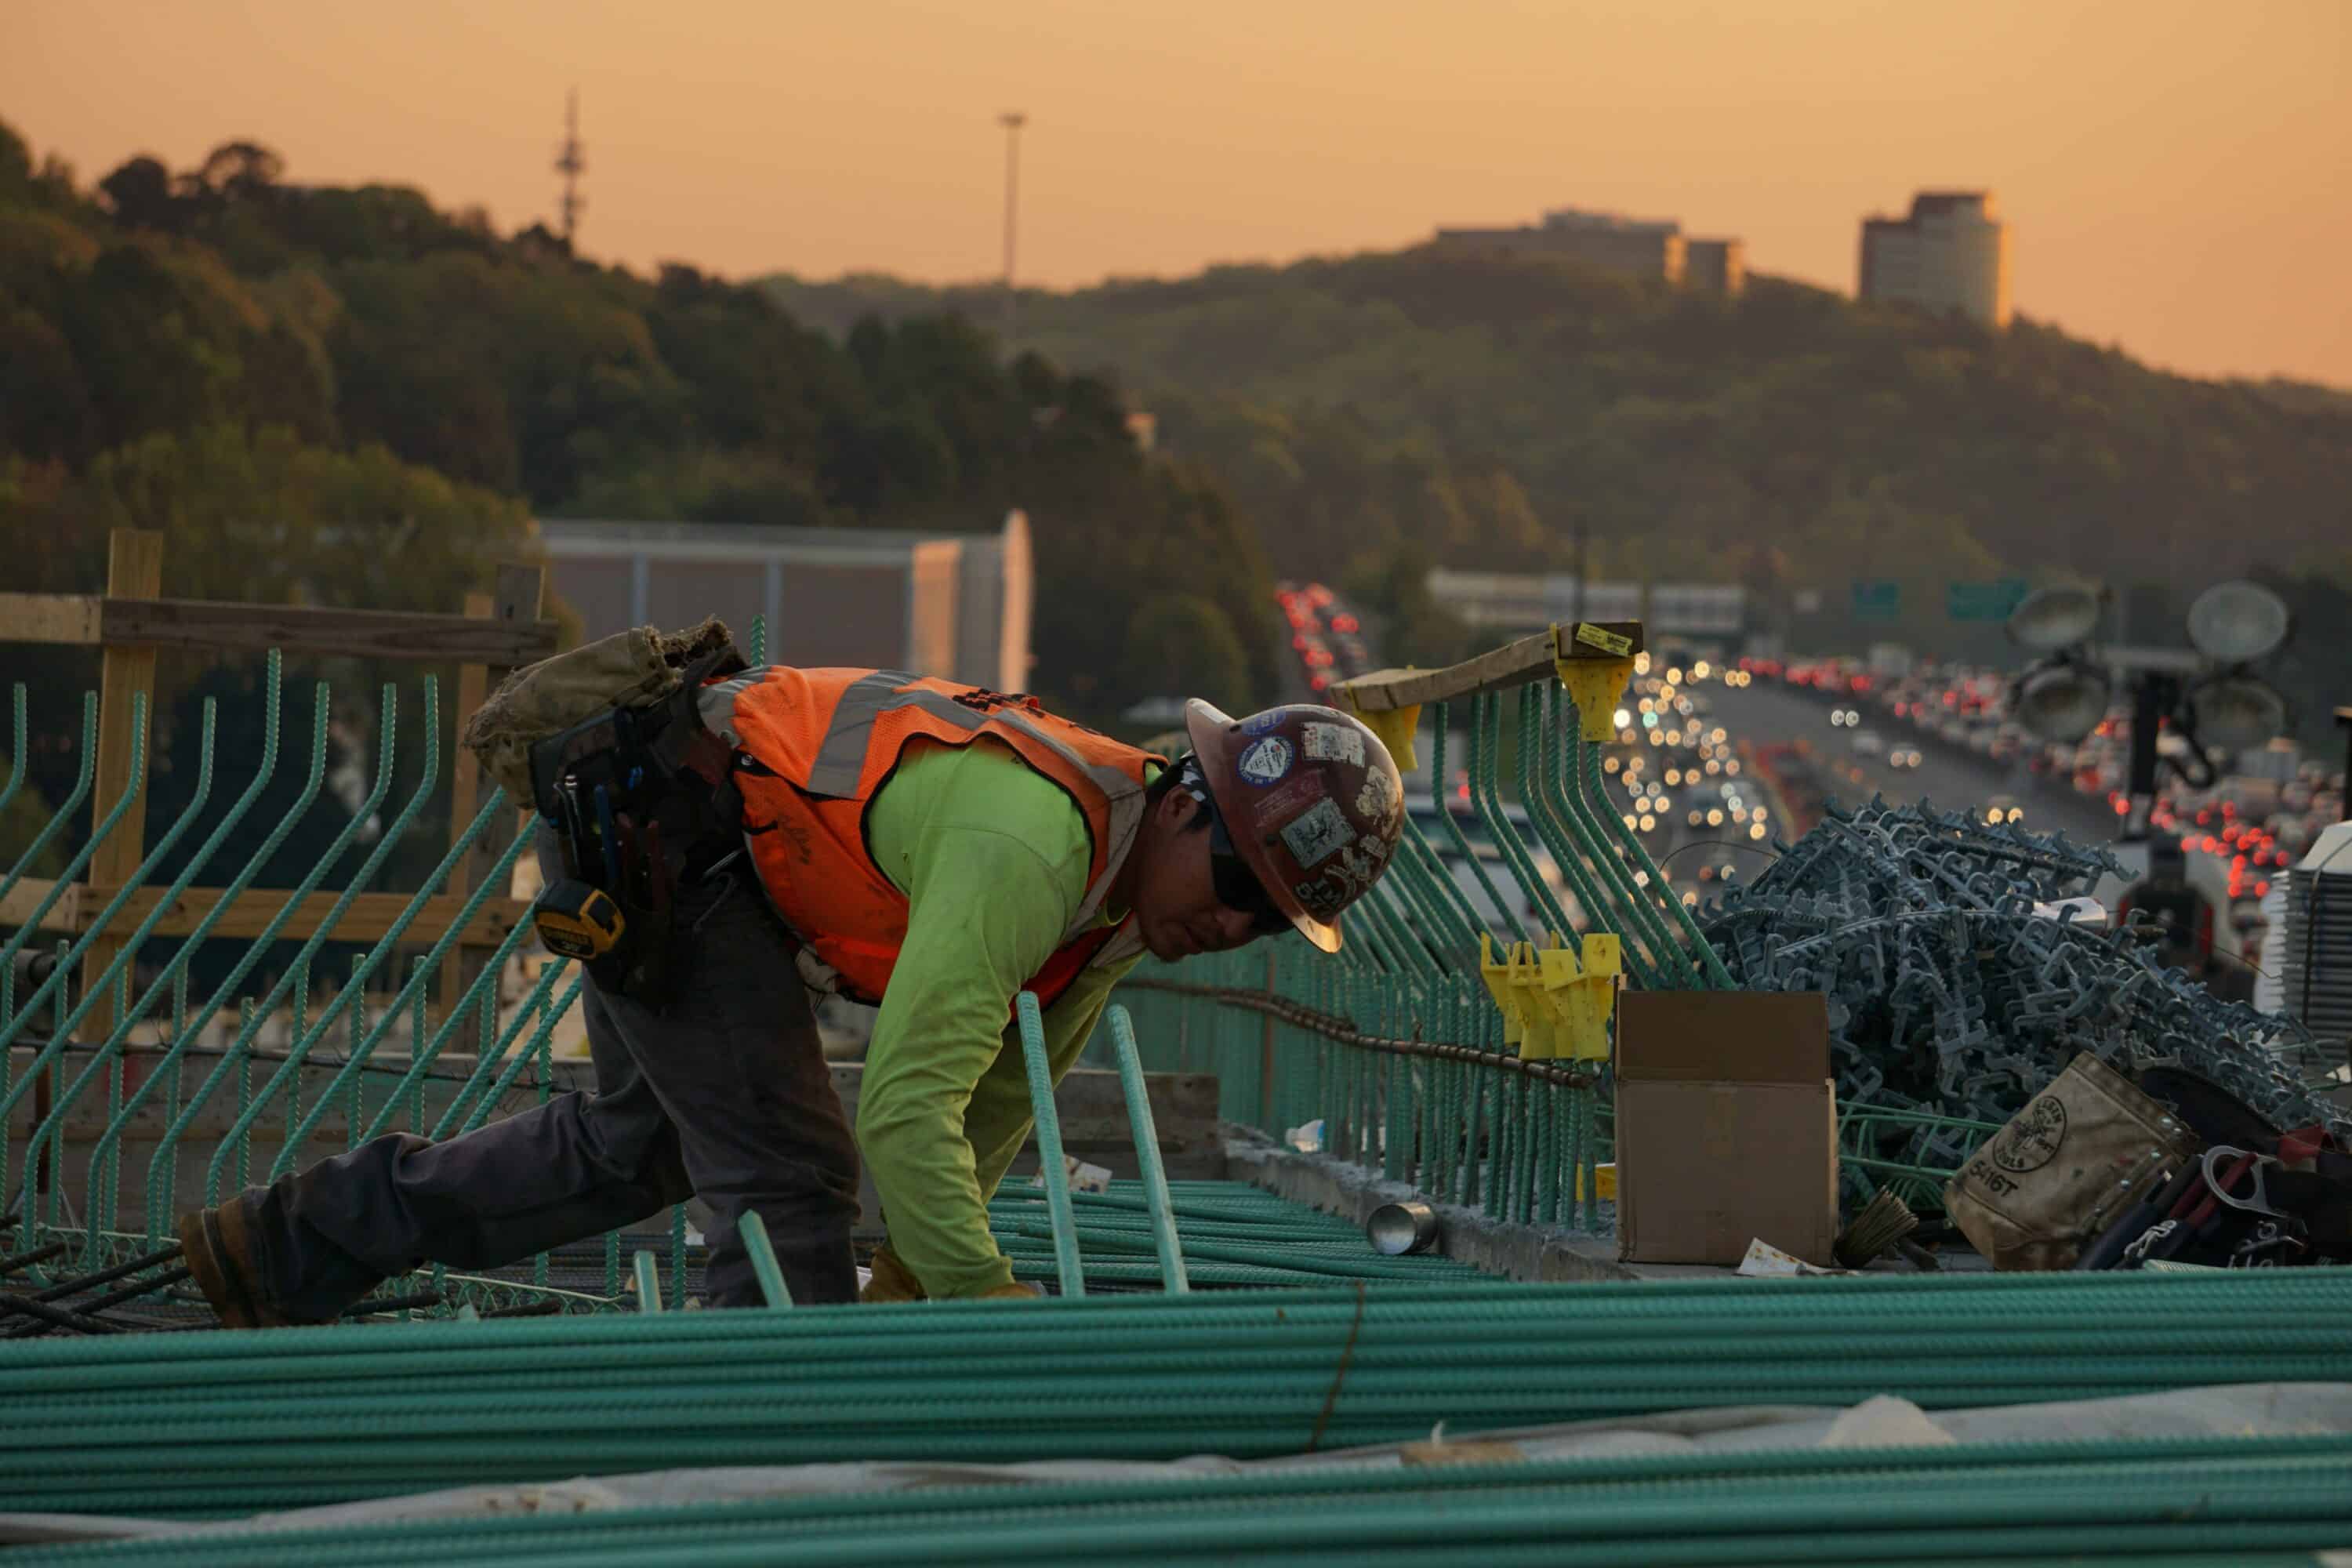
<point>1877,599</point>
<point>1983,601</point>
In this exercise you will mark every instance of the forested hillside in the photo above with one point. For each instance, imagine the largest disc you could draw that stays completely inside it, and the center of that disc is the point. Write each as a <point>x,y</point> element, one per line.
<point>349,396</point>
<point>1480,411</point>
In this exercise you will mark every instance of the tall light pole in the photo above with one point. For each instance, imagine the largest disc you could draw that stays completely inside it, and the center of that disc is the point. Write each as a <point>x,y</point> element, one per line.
<point>1013,121</point>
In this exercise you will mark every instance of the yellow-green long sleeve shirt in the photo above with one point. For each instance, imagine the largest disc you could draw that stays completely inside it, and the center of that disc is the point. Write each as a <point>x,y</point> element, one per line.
<point>993,857</point>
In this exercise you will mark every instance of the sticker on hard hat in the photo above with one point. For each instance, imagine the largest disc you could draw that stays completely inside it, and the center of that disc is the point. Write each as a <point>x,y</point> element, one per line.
<point>1316,833</point>
<point>1334,743</point>
<point>1265,760</point>
<point>1259,723</point>
<point>1379,794</point>
<point>1321,898</point>
<point>1279,805</point>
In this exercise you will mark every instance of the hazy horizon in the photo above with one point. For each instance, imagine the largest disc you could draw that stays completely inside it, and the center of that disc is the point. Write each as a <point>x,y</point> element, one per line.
<point>2165,165</point>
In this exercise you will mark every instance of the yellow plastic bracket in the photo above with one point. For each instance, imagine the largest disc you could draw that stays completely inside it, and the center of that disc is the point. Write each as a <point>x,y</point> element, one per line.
<point>1596,684</point>
<point>1500,987</point>
<point>1584,995</point>
<point>1545,1028</point>
<point>1395,727</point>
<point>1538,1019</point>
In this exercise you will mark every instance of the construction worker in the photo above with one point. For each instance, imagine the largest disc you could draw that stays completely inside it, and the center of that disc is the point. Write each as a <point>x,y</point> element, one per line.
<point>933,847</point>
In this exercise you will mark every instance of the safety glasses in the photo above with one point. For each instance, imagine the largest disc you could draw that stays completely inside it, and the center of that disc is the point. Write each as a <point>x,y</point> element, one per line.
<point>1236,885</point>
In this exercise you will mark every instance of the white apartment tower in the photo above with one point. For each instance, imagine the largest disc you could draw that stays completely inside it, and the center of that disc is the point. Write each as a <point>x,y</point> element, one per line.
<point>1951,254</point>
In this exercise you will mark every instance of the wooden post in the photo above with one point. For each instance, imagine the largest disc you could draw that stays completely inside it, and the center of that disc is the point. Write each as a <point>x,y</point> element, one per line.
<point>515,599</point>
<point>464,794</point>
<point>134,570</point>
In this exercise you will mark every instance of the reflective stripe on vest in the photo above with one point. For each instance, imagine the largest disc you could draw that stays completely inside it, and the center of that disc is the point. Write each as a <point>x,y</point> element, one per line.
<point>826,777</point>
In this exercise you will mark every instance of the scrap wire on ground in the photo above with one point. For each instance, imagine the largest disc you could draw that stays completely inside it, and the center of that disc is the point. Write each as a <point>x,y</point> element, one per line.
<point>1949,994</point>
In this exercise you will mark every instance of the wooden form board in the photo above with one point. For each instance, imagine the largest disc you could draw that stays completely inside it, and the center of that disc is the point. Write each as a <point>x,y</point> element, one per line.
<point>370,917</point>
<point>1513,664</point>
<point>147,622</point>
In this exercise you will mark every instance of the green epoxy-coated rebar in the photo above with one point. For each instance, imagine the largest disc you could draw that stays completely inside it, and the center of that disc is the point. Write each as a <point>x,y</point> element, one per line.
<point>1486,799</point>
<point>1055,1173</point>
<point>1604,827</point>
<point>252,1421</point>
<point>135,778</point>
<point>17,766</point>
<point>1154,1179</point>
<point>1510,924</point>
<point>1614,906</point>
<point>160,1173</point>
<point>1669,1505</point>
<point>56,825</point>
<point>763,1253</point>
<point>104,1159</point>
<point>1536,754</point>
<point>1709,964</point>
<point>648,1278</point>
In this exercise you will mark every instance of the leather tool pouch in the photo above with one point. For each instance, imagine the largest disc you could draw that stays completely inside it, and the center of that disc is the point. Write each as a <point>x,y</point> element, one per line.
<point>644,800</point>
<point>2081,1153</point>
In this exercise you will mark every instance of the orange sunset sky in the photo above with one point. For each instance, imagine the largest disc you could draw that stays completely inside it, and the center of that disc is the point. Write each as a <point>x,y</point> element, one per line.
<point>2178,171</point>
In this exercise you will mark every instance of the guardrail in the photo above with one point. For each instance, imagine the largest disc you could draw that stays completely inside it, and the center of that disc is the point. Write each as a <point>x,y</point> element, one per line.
<point>1460,1048</point>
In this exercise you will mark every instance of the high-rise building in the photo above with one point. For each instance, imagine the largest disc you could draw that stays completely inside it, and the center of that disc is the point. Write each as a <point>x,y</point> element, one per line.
<point>1650,247</point>
<point>1950,255</point>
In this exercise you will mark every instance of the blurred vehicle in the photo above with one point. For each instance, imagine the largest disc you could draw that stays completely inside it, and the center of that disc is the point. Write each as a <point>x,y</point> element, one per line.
<point>1868,742</point>
<point>1903,758</point>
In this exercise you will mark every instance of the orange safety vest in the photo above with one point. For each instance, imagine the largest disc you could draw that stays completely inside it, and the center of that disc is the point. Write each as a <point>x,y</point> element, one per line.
<point>813,747</point>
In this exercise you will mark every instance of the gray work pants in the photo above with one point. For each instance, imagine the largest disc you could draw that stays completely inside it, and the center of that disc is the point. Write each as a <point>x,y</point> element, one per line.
<point>724,1094</point>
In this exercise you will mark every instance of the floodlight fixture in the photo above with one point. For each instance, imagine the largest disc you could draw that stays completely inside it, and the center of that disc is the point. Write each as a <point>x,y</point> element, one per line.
<point>2063,701</point>
<point>2236,623</point>
<point>2051,618</point>
<point>2236,713</point>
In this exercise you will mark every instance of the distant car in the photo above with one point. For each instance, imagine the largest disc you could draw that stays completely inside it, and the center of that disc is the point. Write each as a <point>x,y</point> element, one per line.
<point>1868,742</point>
<point>2003,808</point>
<point>1903,757</point>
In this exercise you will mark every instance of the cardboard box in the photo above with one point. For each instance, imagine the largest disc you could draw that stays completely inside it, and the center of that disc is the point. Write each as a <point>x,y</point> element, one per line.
<point>1726,1126</point>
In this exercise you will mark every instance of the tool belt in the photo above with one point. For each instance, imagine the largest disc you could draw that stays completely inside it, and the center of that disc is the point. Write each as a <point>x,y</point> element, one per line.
<point>608,743</point>
<point>2102,1171</point>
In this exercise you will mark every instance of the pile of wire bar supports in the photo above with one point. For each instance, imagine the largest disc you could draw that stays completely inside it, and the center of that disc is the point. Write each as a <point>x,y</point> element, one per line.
<point>221,1424</point>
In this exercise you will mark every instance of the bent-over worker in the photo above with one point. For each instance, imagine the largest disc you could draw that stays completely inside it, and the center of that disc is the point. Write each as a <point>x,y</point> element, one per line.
<point>930,847</point>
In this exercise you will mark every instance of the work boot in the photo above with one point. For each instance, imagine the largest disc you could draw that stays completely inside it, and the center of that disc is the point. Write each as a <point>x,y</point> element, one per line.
<point>892,1280</point>
<point>217,1246</point>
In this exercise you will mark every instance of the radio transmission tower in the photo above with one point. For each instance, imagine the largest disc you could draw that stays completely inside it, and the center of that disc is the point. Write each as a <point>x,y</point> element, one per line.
<point>572,161</point>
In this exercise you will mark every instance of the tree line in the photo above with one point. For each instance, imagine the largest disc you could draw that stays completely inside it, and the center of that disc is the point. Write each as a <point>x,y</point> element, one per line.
<point>349,395</point>
<point>1374,414</point>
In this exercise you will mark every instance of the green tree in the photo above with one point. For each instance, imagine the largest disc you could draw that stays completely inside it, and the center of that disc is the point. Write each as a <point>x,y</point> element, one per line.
<point>1179,645</point>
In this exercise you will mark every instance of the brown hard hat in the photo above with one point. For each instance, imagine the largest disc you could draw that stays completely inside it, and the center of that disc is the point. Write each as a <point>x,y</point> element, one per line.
<point>1312,801</point>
